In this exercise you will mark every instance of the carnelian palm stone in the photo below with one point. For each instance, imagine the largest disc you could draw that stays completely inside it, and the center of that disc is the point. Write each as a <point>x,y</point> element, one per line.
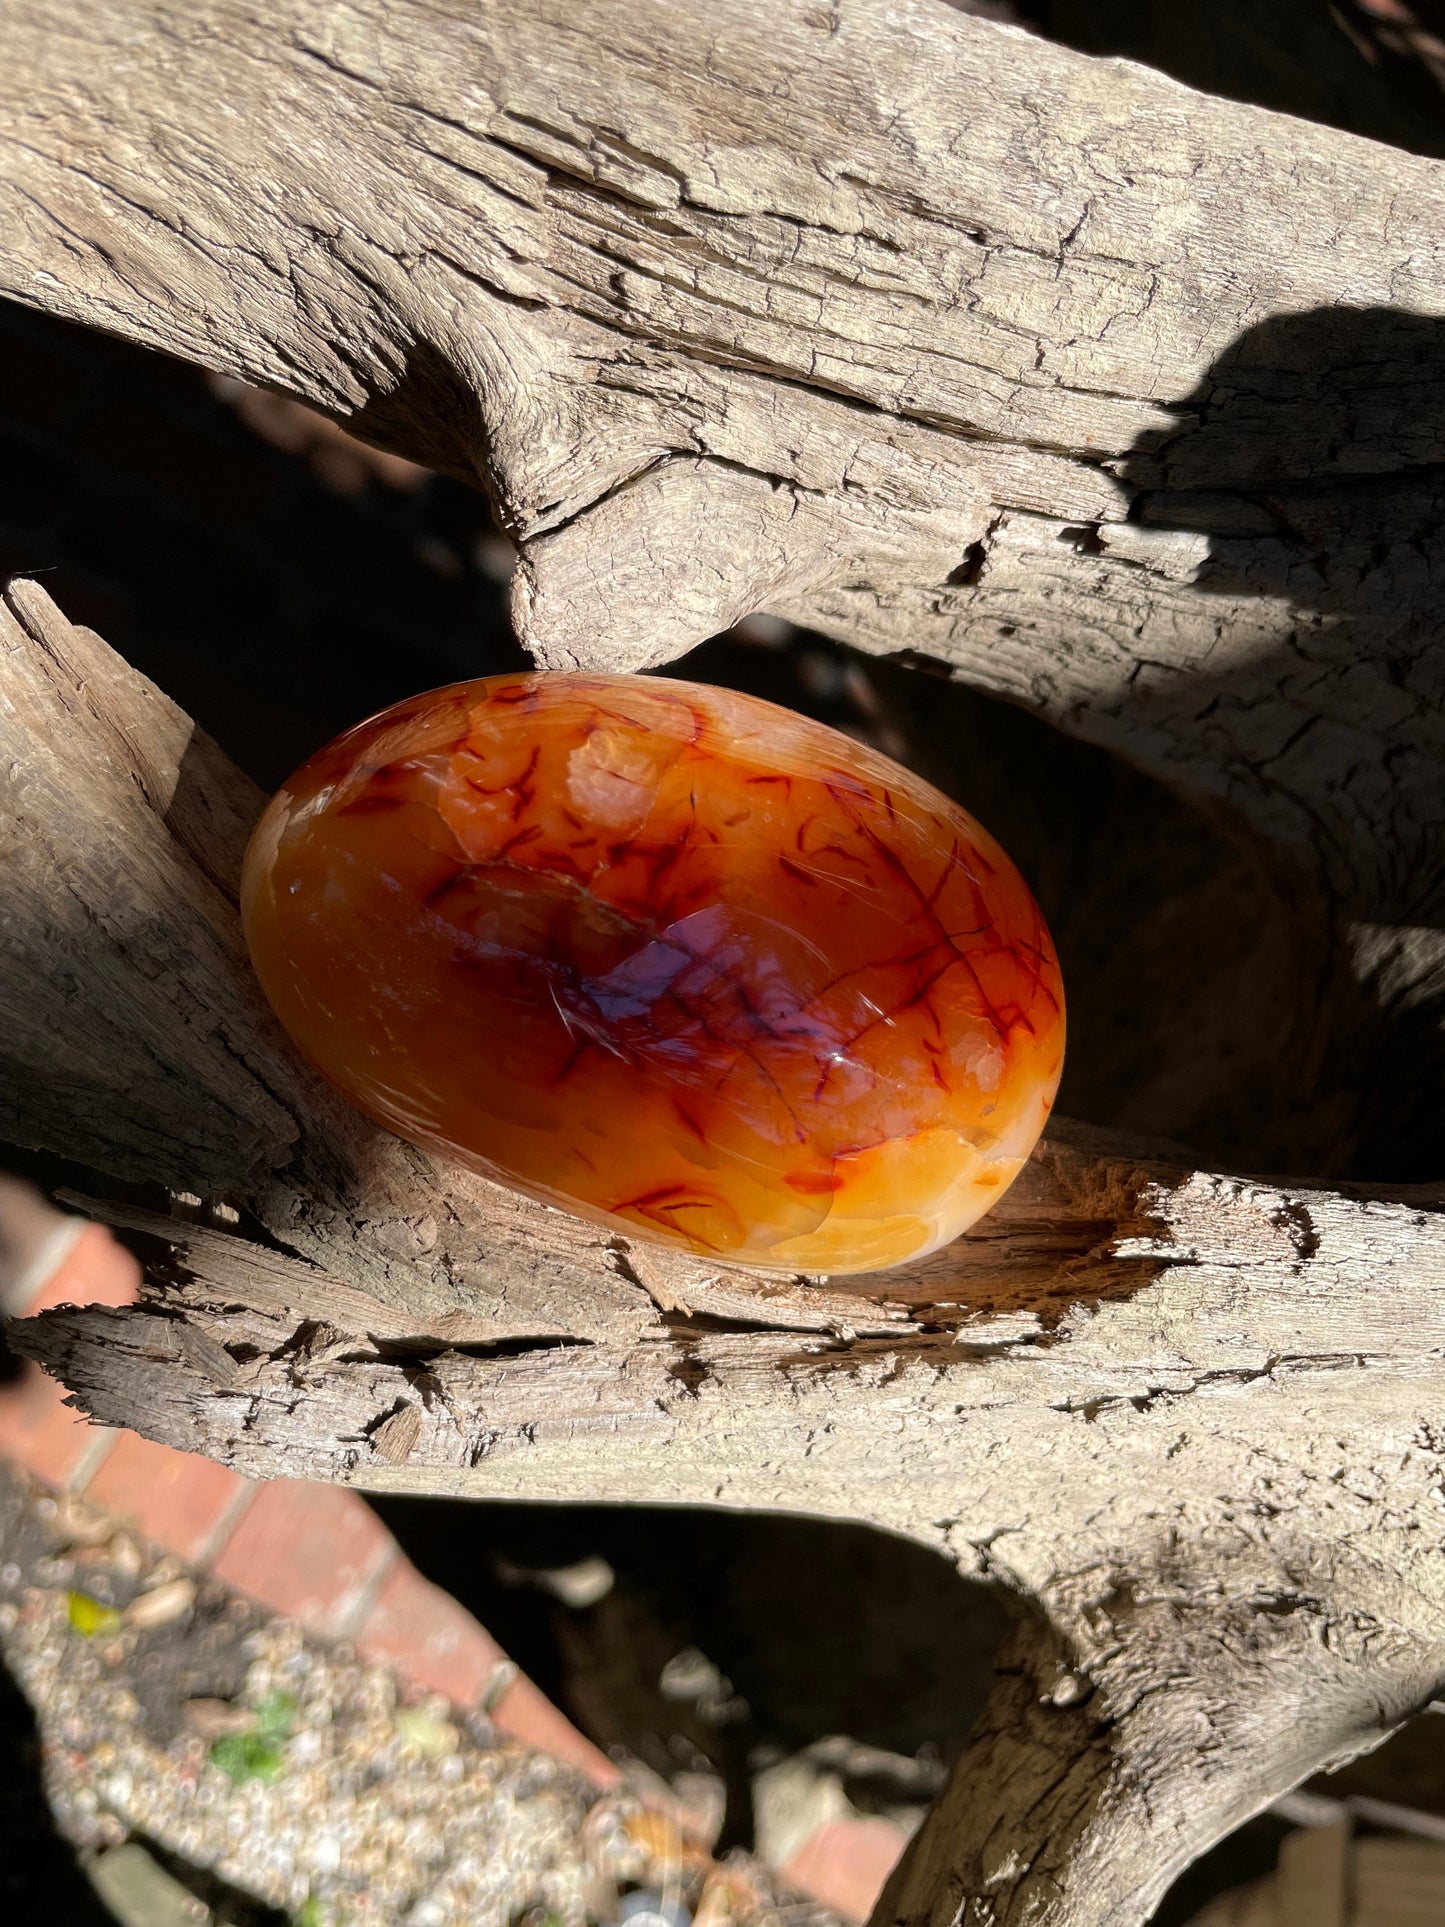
<point>669,957</point>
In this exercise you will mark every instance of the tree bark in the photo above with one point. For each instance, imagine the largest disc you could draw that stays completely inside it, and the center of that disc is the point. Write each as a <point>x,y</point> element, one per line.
<point>1117,400</point>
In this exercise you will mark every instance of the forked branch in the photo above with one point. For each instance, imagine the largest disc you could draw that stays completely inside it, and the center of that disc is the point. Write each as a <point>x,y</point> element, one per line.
<point>1120,401</point>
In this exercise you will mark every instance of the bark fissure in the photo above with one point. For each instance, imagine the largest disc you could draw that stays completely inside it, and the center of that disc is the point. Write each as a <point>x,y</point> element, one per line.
<point>1017,302</point>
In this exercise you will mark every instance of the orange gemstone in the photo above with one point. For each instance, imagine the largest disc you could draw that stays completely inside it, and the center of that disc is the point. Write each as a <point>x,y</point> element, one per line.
<point>669,957</point>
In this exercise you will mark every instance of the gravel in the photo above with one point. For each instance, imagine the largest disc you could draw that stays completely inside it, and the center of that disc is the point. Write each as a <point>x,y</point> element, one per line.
<point>299,1777</point>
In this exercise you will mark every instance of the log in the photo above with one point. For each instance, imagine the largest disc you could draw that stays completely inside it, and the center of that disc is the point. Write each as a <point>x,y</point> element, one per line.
<point>1121,401</point>
<point>1188,1420</point>
<point>1114,399</point>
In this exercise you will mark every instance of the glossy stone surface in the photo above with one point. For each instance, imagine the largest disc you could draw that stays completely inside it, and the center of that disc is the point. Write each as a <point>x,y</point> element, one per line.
<point>669,957</point>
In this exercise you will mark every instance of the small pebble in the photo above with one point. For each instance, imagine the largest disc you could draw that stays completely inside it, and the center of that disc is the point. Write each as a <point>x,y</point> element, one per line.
<point>644,1907</point>
<point>161,1605</point>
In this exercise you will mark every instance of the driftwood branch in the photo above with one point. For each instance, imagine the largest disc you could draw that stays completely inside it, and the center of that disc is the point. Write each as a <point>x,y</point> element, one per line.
<point>889,319</point>
<point>1188,1419</point>
<point>1116,400</point>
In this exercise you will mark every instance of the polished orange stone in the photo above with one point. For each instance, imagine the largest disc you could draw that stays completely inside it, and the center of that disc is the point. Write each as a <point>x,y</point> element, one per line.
<point>667,956</point>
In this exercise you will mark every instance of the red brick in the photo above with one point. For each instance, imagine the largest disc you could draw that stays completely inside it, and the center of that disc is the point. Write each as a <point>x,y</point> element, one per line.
<point>178,1499</point>
<point>524,1711</point>
<point>430,1639</point>
<point>94,1271</point>
<point>34,1238</point>
<point>310,1552</point>
<point>845,1863</point>
<point>42,1434</point>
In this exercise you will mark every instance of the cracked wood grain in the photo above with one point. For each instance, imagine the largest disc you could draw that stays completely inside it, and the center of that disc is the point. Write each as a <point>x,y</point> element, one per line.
<point>1219,1495</point>
<point>1189,1420</point>
<point>1118,400</point>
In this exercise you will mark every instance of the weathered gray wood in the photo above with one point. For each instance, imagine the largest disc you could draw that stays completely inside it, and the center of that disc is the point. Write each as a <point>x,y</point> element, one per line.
<point>1191,1421</point>
<point>1122,402</point>
<point>1219,1493</point>
<point>136,1041</point>
<point>883,317</point>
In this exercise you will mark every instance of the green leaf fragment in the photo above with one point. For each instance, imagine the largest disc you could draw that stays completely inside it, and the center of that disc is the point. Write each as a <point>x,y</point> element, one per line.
<point>90,1616</point>
<point>276,1716</point>
<point>247,1756</point>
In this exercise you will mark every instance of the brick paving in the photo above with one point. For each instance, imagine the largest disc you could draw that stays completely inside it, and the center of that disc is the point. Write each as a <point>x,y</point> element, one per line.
<point>313,1553</point>
<point>38,1432</point>
<point>415,1626</point>
<point>845,1863</point>
<point>186,1504</point>
<point>316,1554</point>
